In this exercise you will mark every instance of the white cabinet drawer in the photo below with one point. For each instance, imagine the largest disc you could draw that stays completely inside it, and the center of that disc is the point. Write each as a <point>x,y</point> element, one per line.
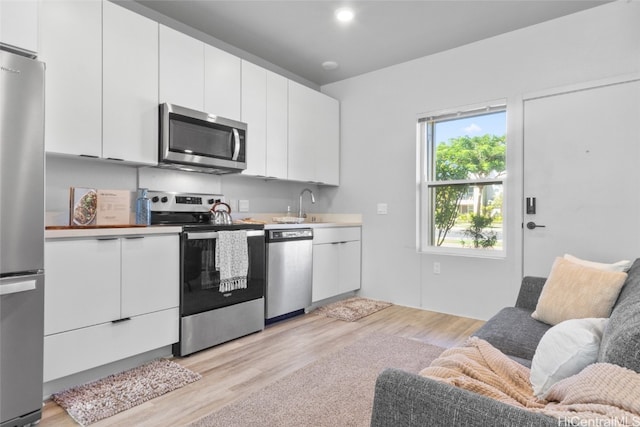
<point>337,234</point>
<point>75,351</point>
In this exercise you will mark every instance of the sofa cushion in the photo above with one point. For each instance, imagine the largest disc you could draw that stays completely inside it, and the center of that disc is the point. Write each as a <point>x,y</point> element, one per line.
<point>565,350</point>
<point>573,291</point>
<point>621,339</point>
<point>514,332</point>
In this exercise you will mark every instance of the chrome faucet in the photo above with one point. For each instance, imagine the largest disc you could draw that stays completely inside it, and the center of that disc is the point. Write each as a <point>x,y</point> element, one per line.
<point>313,200</point>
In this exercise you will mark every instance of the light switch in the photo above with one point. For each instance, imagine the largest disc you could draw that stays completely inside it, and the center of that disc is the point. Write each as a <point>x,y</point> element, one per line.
<point>382,209</point>
<point>243,206</point>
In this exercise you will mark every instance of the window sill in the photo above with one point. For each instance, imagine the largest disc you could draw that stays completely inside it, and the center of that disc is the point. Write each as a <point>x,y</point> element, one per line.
<point>464,252</point>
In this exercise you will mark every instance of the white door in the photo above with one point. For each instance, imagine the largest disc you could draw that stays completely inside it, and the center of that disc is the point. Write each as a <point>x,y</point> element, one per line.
<point>582,166</point>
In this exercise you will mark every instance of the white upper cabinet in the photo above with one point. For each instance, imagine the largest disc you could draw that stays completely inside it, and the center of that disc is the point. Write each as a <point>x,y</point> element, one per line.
<point>130,81</point>
<point>314,136</point>
<point>277,123</point>
<point>327,140</point>
<point>19,25</point>
<point>264,109</point>
<point>108,69</point>
<point>221,83</point>
<point>181,69</point>
<point>70,40</point>
<point>254,114</point>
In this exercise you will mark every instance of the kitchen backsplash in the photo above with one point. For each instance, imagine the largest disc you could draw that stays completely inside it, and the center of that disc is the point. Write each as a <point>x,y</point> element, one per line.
<point>262,195</point>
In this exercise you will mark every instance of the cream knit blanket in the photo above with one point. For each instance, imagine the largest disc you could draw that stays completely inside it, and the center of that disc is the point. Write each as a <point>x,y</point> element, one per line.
<point>602,394</point>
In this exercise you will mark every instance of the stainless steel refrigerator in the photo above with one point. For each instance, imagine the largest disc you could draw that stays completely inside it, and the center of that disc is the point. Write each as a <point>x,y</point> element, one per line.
<point>21,238</point>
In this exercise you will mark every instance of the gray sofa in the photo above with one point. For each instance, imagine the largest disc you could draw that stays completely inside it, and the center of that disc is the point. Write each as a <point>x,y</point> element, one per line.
<point>406,399</point>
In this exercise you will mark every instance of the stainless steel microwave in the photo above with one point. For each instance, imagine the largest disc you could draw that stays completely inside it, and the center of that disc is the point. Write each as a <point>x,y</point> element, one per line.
<point>197,141</point>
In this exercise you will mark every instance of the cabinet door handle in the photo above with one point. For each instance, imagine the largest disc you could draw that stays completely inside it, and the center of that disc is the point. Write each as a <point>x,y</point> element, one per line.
<point>106,239</point>
<point>124,319</point>
<point>134,237</point>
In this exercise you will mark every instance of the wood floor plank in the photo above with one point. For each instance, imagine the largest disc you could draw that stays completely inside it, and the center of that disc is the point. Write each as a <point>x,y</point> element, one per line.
<point>238,368</point>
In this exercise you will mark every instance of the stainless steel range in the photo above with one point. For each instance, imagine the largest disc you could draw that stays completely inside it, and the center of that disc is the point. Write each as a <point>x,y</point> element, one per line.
<point>222,271</point>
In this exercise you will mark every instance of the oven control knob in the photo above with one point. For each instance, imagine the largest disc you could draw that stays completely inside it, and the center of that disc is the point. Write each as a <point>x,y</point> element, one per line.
<point>211,201</point>
<point>155,199</point>
<point>164,199</point>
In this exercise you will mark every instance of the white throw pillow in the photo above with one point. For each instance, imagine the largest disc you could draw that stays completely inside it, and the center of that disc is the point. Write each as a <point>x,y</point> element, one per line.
<point>622,266</point>
<point>565,350</point>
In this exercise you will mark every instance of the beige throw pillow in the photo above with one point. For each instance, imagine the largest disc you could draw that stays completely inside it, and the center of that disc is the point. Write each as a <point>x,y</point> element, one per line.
<point>573,291</point>
<point>623,265</point>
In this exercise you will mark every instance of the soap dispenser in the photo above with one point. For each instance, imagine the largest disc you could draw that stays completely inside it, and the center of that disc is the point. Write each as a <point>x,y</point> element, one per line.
<point>143,208</point>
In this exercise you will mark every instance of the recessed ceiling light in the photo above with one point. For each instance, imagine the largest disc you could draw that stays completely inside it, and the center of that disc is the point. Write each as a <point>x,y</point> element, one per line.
<point>344,14</point>
<point>330,65</point>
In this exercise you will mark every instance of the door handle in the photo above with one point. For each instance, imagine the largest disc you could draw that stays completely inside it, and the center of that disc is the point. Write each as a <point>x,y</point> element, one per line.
<point>14,288</point>
<point>236,144</point>
<point>532,225</point>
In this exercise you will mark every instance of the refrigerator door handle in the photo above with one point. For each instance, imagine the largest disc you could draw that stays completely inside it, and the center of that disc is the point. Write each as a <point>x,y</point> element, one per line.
<point>14,288</point>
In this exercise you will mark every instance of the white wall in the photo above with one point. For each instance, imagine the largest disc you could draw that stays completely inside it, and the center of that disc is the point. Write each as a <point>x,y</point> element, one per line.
<point>378,130</point>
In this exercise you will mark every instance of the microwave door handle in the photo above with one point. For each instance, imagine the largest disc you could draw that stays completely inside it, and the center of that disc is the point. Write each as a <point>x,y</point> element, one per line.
<point>236,144</point>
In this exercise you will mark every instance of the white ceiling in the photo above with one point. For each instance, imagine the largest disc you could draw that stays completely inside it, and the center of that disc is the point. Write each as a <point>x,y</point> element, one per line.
<point>299,35</point>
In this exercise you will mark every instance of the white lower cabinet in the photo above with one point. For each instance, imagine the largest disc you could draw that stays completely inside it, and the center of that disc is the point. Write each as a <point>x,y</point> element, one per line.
<point>336,261</point>
<point>107,299</point>
<point>78,350</point>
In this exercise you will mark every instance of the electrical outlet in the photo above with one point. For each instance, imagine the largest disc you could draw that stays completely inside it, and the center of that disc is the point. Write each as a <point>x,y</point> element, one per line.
<point>243,206</point>
<point>382,209</point>
<point>436,268</point>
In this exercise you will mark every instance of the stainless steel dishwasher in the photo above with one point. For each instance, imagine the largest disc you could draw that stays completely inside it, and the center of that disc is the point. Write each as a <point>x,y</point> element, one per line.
<point>289,272</point>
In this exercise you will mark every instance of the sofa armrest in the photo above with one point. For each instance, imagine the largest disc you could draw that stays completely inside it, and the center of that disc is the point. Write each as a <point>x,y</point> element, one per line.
<point>530,290</point>
<point>409,400</point>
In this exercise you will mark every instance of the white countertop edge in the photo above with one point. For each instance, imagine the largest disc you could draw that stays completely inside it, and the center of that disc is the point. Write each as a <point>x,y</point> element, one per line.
<point>111,232</point>
<point>275,226</point>
<point>169,229</point>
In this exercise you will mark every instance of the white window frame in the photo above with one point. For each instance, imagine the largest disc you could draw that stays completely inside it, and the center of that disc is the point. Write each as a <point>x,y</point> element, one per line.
<point>424,154</point>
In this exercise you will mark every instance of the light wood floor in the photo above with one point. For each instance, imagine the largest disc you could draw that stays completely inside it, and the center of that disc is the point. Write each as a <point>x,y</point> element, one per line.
<point>240,367</point>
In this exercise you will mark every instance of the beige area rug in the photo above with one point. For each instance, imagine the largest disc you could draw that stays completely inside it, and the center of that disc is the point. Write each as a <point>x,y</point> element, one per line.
<point>352,309</point>
<point>335,391</point>
<point>105,397</point>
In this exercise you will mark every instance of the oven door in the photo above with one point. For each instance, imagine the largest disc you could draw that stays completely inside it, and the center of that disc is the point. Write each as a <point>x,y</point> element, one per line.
<point>200,278</point>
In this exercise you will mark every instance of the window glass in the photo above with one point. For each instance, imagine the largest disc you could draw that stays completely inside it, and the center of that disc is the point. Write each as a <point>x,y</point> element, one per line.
<point>462,190</point>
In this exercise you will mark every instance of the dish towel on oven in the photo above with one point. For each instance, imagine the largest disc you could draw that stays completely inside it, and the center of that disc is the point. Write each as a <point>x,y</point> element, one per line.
<point>232,260</point>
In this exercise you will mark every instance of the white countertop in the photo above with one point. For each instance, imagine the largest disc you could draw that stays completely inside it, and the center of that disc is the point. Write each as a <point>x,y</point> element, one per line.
<point>314,221</point>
